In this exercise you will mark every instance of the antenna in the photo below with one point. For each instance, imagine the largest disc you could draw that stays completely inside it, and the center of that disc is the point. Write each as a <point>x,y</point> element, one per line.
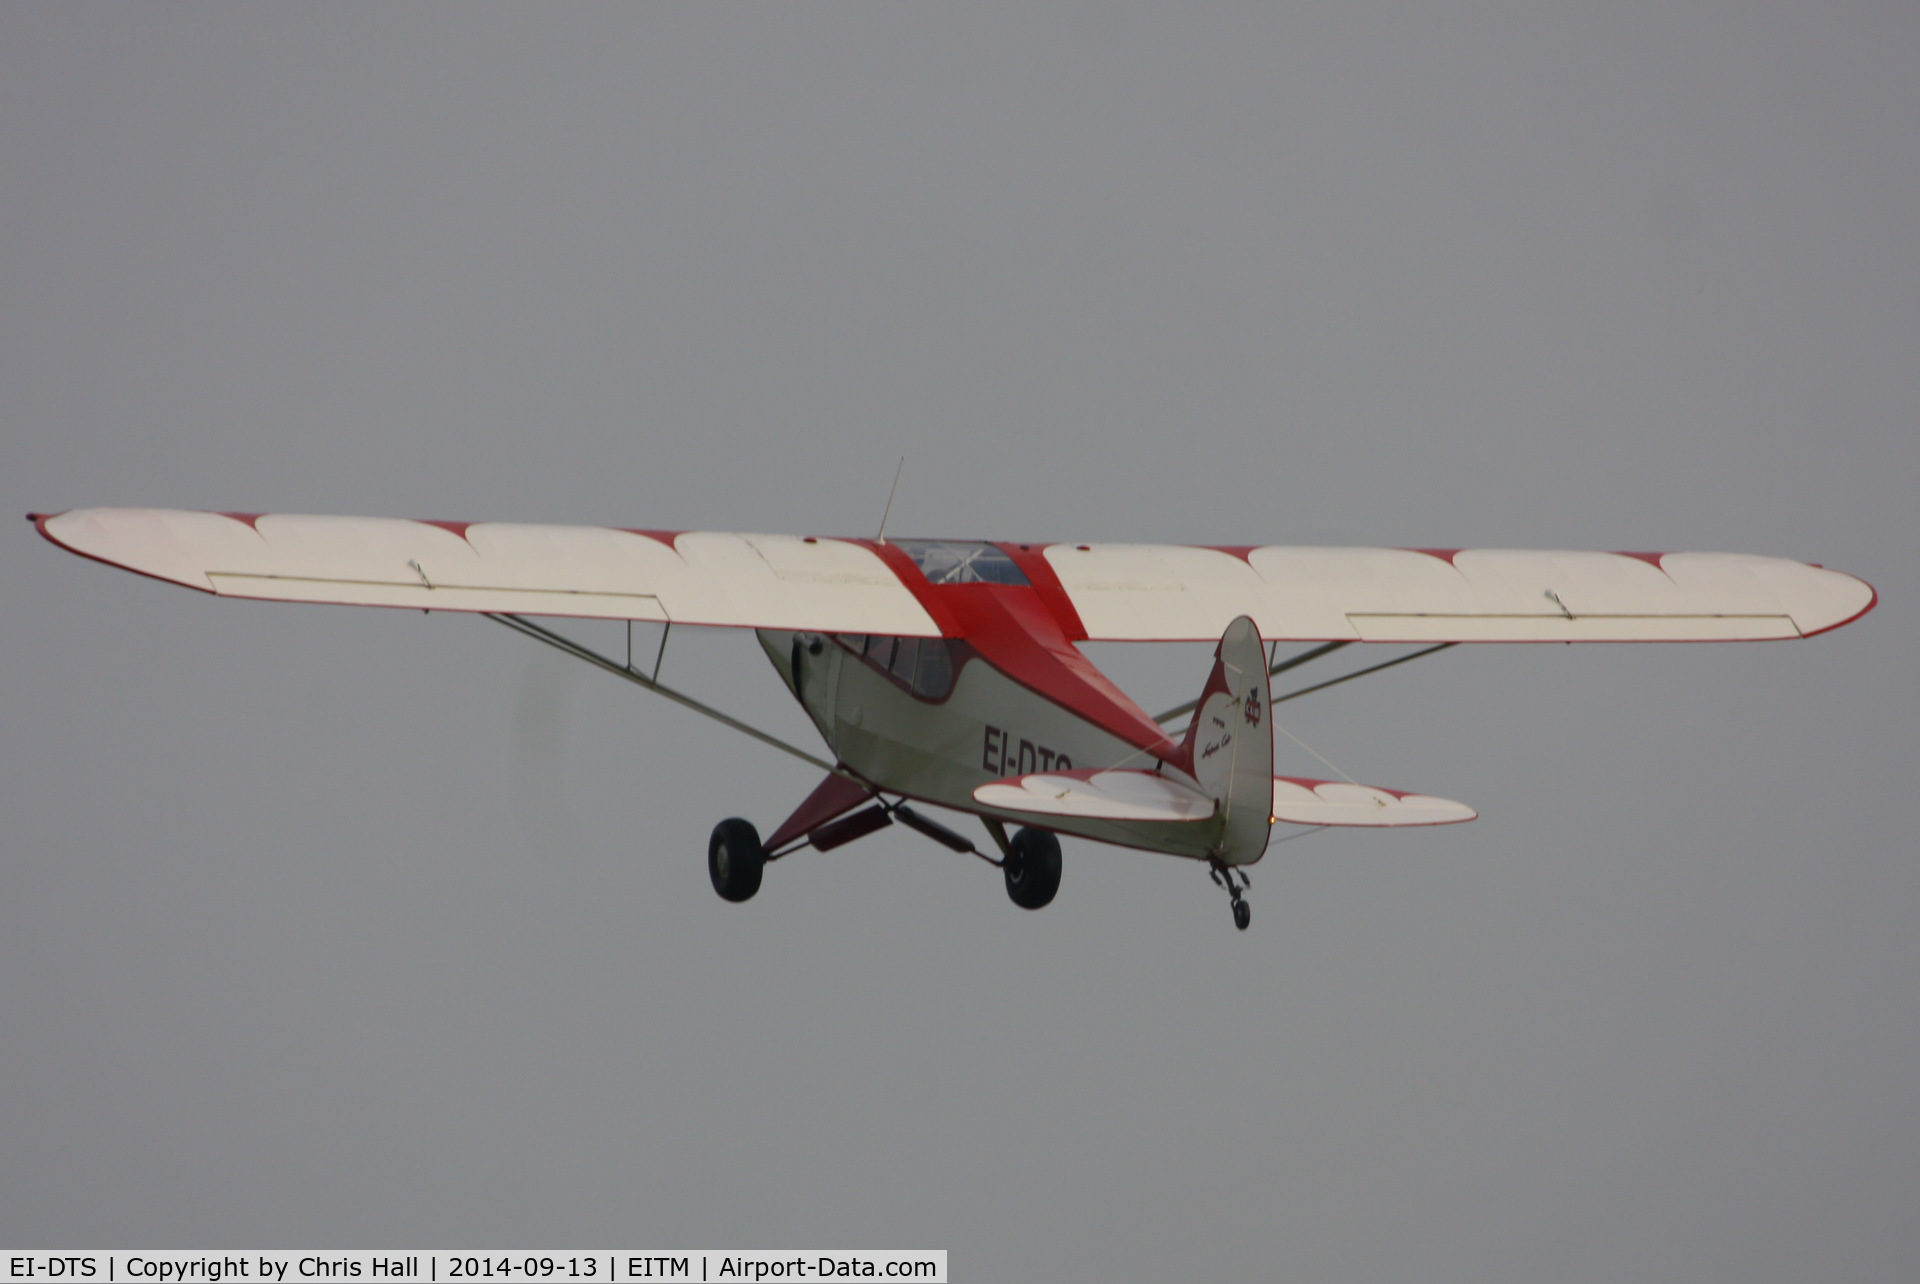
<point>896,486</point>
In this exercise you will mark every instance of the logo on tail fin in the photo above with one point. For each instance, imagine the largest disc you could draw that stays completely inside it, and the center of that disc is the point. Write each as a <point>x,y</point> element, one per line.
<point>1253,707</point>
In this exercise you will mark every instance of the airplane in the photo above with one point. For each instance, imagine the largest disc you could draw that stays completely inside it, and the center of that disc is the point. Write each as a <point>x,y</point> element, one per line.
<point>948,672</point>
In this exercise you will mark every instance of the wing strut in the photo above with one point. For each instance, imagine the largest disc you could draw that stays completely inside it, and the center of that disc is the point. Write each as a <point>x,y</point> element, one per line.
<point>522,625</point>
<point>1316,653</point>
<point>1360,673</point>
<point>1290,662</point>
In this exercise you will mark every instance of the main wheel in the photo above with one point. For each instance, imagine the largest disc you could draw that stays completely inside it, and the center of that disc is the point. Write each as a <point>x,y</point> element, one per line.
<point>1242,915</point>
<point>1032,868</point>
<point>735,859</point>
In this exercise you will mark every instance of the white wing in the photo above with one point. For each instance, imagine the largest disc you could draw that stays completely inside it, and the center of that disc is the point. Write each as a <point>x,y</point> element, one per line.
<point>759,581</point>
<point>1121,592</point>
<point>1145,592</point>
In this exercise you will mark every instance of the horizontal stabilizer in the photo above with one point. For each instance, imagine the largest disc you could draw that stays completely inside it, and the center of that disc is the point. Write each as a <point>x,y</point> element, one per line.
<point>1097,795</point>
<point>1126,794</point>
<point>1338,802</point>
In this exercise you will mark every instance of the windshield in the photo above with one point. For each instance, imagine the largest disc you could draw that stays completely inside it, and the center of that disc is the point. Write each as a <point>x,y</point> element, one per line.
<point>954,562</point>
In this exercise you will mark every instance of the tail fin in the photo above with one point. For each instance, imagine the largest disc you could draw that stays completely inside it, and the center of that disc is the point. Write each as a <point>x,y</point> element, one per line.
<point>1229,745</point>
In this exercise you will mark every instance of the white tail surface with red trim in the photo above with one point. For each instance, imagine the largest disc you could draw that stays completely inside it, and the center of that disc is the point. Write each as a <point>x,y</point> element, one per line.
<point>1229,745</point>
<point>1125,793</point>
<point>1344,803</point>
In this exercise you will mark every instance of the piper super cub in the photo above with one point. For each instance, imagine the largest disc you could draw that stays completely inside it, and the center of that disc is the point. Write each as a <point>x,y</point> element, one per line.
<point>947,671</point>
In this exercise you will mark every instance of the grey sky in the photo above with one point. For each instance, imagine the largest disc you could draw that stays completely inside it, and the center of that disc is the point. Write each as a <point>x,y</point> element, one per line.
<point>356,927</point>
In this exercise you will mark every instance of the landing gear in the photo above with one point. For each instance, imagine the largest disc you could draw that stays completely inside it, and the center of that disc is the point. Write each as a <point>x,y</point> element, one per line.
<point>735,859</point>
<point>1032,868</point>
<point>1235,880</point>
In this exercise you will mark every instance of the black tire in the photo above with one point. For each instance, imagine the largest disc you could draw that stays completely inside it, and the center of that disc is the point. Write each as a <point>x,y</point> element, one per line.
<point>1242,915</point>
<point>735,859</point>
<point>1033,868</point>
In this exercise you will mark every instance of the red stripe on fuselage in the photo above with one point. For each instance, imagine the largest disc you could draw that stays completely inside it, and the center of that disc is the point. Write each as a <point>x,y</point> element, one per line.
<point>1034,565</point>
<point>1012,628</point>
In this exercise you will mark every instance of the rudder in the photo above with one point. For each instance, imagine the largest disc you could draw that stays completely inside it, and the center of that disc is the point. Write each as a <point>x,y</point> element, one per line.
<point>1229,744</point>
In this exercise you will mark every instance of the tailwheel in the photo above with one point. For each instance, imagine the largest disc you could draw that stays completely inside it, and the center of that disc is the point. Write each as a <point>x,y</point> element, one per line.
<point>735,859</point>
<point>1032,868</point>
<point>1235,880</point>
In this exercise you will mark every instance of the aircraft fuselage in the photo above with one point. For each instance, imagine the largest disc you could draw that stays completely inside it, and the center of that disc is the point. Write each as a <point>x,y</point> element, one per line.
<point>937,724</point>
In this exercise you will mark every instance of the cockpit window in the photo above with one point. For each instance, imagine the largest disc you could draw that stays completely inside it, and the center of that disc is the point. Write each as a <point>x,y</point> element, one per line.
<point>922,665</point>
<point>905,655</point>
<point>933,675</point>
<point>954,562</point>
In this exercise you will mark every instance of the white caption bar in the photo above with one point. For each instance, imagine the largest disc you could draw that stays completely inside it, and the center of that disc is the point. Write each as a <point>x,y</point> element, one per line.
<point>418,1266</point>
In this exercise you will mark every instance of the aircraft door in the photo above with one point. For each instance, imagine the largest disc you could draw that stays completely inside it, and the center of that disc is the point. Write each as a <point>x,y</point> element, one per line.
<point>830,701</point>
<point>816,678</point>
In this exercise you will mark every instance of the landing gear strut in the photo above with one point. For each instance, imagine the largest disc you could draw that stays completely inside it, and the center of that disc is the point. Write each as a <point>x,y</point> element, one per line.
<point>735,859</point>
<point>1235,880</point>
